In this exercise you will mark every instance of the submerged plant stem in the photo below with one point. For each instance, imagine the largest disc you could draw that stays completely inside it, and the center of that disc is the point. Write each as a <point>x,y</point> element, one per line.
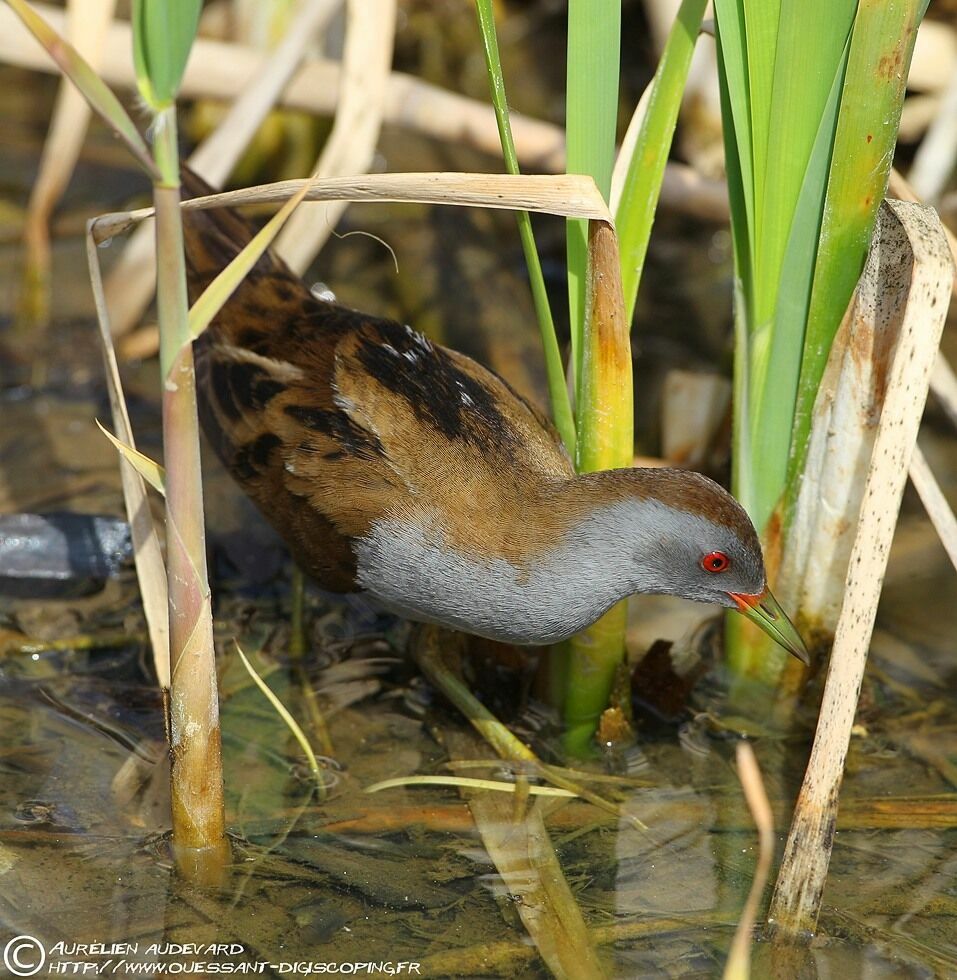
<point>594,656</point>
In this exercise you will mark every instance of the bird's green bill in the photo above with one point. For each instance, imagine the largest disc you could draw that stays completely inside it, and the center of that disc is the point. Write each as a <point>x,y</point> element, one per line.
<point>764,611</point>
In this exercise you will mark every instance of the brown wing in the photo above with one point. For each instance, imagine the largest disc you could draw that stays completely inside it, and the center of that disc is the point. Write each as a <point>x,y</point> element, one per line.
<point>243,401</point>
<point>470,450</point>
<point>264,380</point>
<point>330,419</point>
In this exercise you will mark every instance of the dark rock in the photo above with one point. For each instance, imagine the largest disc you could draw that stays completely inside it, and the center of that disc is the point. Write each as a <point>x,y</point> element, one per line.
<point>60,555</point>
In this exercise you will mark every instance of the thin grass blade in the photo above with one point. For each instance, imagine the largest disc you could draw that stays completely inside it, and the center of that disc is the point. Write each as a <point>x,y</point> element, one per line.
<point>149,469</point>
<point>216,294</point>
<point>554,369</point>
<point>467,782</point>
<point>297,733</point>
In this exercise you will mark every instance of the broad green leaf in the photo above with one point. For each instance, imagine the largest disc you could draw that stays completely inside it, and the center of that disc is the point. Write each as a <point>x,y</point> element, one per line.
<point>776,77</point>
<point>881,48</point>
<point>734,85</point>
<point>761,24</point>
<point>805,65</point>
<point>773,402</point>
<point>635,213</point>
<point>731,40</point>
<point>821,130</point>
<point>163,33</point>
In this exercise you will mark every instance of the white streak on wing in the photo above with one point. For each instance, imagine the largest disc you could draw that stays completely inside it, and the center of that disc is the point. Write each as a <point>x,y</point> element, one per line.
<point>280,370</point>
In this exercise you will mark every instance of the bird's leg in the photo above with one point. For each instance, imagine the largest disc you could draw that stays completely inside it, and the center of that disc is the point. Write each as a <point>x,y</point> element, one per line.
<point>297,638</point>
<point>437,651</point>
<point>298,646</point>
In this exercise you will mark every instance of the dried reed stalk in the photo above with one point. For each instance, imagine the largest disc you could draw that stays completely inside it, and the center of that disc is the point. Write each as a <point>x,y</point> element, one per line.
<point>147,552</point>
<point>570,195</point>
<point>219,70</point>
<point>350,148</point>
<point>910,239</point>
<point>132,282</point>
<point>86,24</point>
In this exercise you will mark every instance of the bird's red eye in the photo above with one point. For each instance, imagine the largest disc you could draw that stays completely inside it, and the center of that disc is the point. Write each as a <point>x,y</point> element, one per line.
<point>716,561</point>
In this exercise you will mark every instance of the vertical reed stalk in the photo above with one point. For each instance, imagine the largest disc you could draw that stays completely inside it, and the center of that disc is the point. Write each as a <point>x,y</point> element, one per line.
<point>602,435</point>
<point>591,117</point>
<point>162,37</point>
<point>197,779</point>
<point>605,441</point>
<point>600,365</point>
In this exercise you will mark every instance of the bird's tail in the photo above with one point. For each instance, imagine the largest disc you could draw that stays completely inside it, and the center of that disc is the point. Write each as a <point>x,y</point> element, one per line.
<point>213,238</point>
<point>253,324</point>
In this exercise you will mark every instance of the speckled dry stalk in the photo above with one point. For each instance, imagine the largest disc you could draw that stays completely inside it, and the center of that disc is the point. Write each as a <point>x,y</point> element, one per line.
<point>915,259</point>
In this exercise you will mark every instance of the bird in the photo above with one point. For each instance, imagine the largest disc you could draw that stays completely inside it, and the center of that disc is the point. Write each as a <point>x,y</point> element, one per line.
<point>404,470</point>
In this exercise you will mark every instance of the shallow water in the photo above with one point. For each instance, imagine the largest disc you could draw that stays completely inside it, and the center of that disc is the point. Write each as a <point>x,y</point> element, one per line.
<point>326,881</point>
<point>402,876</point>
